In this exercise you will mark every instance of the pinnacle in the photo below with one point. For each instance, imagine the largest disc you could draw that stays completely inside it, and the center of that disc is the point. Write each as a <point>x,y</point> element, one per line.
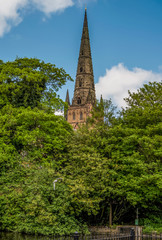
<point>67,98</point>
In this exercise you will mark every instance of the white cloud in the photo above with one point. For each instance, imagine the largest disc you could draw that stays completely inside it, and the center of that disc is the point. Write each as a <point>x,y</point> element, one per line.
<point>119,79</point>
<point>84,2</point>
<point>9,14</point>
<point>59,113</point>
<point>50,6</point>
<point>11,11</point>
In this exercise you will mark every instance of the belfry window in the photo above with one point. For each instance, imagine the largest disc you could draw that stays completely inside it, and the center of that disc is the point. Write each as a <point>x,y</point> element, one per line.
<point>81,116</point>
<point>80,83</point>
<point>79,100</point>
<point>81,69</point>
<point>73,115</point>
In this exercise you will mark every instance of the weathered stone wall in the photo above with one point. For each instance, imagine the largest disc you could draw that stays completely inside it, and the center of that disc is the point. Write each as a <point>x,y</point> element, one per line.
<point>78,115</point>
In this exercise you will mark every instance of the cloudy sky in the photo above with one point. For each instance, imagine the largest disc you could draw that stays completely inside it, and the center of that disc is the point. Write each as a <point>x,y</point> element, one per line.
<point>126,39</point>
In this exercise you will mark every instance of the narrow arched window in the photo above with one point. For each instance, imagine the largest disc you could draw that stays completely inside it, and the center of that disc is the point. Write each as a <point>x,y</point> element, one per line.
<point>79,100</point>
<point>81,69</point>
<point>73,115</point>
<point>80,82</point>
<point>82,52</point>
<point>81,116</point>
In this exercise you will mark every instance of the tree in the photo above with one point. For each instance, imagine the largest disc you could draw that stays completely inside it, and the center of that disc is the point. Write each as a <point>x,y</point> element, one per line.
<point>144,107</point>
<point>103,113</point>
<point>33,146</point>
<point>27,82</point>
<point>131,149</point>
<point>29,204</point>
<point>34,136</point>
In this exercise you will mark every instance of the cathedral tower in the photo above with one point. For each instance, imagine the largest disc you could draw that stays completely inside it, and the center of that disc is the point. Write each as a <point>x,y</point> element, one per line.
<point>84,93</point>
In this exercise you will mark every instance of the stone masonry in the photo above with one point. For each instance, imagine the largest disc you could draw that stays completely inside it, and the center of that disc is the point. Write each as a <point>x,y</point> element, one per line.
<point>84,93</point>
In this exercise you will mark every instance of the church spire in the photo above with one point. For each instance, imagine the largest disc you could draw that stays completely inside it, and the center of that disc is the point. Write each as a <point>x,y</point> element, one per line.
<point>84,78</point>
<point>84,93</point>
<point>67,97</point>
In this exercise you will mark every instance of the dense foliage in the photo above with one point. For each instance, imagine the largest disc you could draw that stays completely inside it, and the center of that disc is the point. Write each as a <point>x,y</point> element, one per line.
<point>27,82</point>
<point>113,161</point>
<point>132,147</point>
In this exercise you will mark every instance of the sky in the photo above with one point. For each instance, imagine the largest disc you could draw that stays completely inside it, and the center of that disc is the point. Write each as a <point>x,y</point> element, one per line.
<point>125,36</point>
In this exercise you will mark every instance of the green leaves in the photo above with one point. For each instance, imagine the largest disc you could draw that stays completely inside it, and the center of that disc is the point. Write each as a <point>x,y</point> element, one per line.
<point>128,152</point>
<point>29,204</point>
<point>37,137</point>
<point>27,82</point>
<point>144,107</point>
<point>110,161</point>
<point>149,95</point>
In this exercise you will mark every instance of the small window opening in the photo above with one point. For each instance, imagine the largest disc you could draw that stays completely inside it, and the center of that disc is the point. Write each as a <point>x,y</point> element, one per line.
<point>81,69</point>
<point>80,83</point>
<point>79,100</point>
<point>73,115</point>
<point>81,116</point>
<point>82,53</point>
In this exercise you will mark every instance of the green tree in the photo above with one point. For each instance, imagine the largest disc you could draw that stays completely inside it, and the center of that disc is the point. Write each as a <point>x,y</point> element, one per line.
<point>27,82</point>
<point>131,149</point>
<point>144,107</point>
<point>29,204</point>
<point>103,113</point>
<point>34,136</point>
<point>33,146</point>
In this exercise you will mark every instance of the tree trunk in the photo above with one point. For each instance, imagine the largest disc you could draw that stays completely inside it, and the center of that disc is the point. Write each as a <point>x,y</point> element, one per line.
<point>110,215</point>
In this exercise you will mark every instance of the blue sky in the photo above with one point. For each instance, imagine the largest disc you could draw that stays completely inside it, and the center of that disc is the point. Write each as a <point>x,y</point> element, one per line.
<point>126,39</point>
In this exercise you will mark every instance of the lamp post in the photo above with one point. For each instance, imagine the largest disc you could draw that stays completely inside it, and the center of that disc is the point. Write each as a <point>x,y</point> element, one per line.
<point>136,220</point>
<point>54,182</point>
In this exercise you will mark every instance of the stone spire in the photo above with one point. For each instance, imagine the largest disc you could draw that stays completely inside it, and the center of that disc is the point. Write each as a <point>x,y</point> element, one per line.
<point>84,93</point>
<point>67,98</point>
<point>84,84</point>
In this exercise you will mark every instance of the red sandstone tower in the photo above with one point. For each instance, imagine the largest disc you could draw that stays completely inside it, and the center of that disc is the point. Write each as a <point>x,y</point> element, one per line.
<point>84,93</point>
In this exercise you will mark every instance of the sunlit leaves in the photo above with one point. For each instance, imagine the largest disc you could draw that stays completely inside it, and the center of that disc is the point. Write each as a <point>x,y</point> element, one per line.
<point>29,82</point>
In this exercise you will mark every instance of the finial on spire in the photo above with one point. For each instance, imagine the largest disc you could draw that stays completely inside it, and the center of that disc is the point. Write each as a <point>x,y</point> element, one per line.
<point>85,7</point>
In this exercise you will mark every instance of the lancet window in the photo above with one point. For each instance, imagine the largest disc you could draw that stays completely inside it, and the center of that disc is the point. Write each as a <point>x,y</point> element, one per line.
<point>80,82</point>
<point>79,100</point>
<point>73,115</point>
<point>81,116</point>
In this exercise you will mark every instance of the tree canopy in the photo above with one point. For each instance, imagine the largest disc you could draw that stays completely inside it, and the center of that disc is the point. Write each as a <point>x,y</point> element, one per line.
<point>112,162</point>
<point>130,155</point>
<point>27,82</point>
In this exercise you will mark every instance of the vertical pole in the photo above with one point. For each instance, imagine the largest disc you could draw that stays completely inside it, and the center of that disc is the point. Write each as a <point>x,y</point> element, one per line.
<point>110,215</point>
<point>132,233</point>
<point>137,215</point>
